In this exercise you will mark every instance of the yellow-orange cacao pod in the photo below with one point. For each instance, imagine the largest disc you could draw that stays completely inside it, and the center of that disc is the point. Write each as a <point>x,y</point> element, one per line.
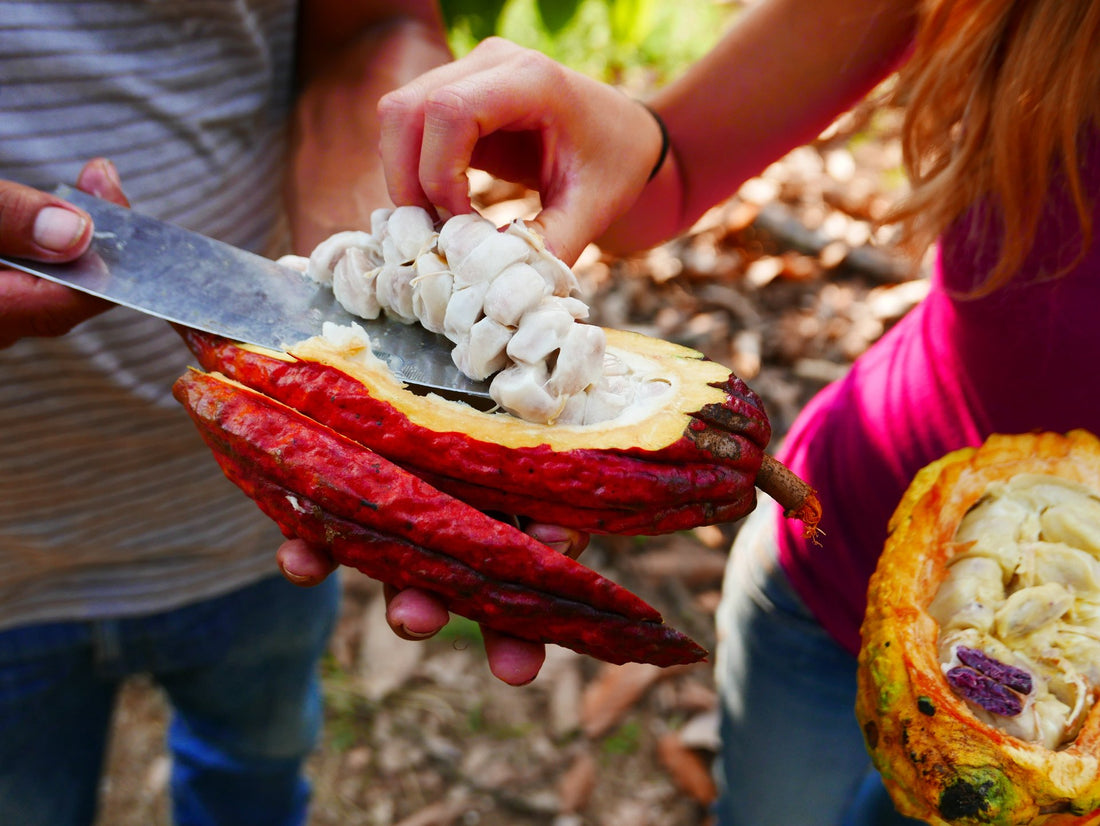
<point>944,758</point>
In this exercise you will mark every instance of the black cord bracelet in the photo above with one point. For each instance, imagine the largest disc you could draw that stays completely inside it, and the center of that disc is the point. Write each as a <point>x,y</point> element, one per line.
<point>664,144</point>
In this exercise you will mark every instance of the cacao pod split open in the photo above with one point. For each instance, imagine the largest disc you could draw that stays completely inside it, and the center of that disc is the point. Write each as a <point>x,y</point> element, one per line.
<point>338,452</point>
<point>980,659</point>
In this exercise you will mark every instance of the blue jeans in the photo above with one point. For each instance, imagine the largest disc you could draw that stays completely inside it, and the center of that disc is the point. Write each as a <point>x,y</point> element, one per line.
<point>240,672</point>
<point>792,752</point>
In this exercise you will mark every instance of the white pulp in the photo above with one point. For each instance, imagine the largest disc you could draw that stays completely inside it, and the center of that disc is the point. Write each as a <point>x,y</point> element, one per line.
<point>507,304</point>
<point>1024,588</point>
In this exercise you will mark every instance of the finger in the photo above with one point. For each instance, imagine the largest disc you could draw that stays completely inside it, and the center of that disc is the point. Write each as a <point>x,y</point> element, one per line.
<point>586,187</point>
<point>448,139</point>
<point>31,306</point>
<point>99,177</point>
<point>303,564</point>
<point>38,225</point>
<point>414,614</point>
<point>34,307</point>
<point>562,236</point>
<point>517,95</point>
<point>586,190</point>
<point>579,210</point>
<point>401,127</point>
<point>563,540</point>
<point>511,660</point>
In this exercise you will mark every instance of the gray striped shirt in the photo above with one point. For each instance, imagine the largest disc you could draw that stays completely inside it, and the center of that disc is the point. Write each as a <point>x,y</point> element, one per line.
<point>110,505</point>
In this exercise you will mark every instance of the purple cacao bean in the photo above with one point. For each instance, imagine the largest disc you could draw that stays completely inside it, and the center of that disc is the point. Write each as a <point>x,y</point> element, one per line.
<point>984,691</point>
<point>1007,675</point>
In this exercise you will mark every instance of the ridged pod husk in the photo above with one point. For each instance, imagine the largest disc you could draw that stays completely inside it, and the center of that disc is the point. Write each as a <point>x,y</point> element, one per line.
<point>371,515</point>
<point>940,762</point>
<point>685,466</point>
<point>398,485</point>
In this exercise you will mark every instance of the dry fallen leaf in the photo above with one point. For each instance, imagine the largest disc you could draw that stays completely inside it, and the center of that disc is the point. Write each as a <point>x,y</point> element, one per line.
<point>614,691</point>
<point>577,782</point>
<point>686,768</point>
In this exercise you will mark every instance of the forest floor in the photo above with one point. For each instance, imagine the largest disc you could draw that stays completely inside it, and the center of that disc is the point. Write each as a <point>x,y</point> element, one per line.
<point>786,283</point>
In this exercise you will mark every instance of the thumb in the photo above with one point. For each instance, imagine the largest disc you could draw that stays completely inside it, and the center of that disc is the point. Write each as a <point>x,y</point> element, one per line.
<point>577,209</point>
<point>563,232</point>
<point>35,224</point>
<point>99,177</point>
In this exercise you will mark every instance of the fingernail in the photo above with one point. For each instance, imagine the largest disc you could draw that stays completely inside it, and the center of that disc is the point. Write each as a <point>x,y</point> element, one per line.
<point>297,579</point>
<point>58,229</point>
<point>111,171</point>
<point>552,536</point>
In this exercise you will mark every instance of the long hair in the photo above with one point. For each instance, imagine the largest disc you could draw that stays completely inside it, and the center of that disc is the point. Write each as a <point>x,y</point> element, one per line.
<point>998,94</point>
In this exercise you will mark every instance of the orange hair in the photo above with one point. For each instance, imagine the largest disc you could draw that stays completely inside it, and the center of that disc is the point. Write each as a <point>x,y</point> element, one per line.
<point>997,95</point>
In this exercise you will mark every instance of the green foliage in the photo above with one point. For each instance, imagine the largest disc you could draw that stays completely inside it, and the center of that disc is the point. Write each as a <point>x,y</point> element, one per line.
<point>639,42</point>
<point>471,20</point>
<point>461,631</point>
<point>631,20</point>
<point>556,14</point>
<point>625,740</point>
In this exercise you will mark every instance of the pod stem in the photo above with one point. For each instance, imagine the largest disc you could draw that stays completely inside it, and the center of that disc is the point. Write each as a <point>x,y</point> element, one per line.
<point>798,499</point>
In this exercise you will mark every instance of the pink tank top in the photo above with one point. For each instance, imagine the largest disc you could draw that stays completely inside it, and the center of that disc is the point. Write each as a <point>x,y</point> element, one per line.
<point>950,373</point>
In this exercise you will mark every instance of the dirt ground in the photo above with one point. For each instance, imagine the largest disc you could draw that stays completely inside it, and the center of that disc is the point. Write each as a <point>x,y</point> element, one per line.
<point>785,284</point>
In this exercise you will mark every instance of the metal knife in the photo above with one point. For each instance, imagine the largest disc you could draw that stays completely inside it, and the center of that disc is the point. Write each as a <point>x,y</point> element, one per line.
<point>183,277</point>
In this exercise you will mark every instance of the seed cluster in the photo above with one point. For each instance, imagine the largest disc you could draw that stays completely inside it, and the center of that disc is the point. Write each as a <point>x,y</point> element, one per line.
<point>505,302</point>
<point>1019,608</point>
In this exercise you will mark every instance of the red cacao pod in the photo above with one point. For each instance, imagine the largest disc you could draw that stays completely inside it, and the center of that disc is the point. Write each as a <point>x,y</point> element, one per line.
<point>341,454</point>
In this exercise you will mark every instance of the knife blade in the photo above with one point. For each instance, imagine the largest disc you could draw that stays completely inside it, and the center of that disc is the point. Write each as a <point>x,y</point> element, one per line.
<point>186,278</point>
